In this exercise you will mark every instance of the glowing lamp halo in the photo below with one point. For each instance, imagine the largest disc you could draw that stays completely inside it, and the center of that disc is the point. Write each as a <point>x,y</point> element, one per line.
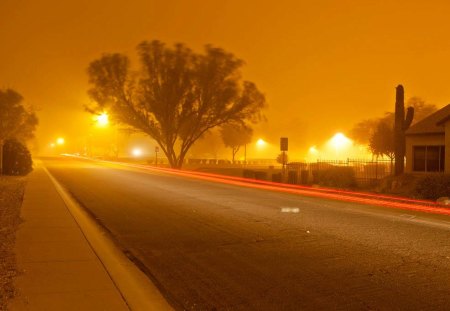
<point>340,141</point>
<point>261,142</point>
<point>136,152</point>
<point>102,119</point>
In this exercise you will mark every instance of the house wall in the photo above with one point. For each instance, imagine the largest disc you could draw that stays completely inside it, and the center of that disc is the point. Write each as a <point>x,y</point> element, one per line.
<point>427,140</point>
<point>447,147</point>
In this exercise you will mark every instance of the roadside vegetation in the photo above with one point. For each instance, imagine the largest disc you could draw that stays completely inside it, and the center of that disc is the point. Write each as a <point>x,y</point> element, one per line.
<point>18,123</point>
<point>11,195</point>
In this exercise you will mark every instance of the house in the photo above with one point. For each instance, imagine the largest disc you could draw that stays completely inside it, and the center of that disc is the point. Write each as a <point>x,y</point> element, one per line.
<point>428,144</point>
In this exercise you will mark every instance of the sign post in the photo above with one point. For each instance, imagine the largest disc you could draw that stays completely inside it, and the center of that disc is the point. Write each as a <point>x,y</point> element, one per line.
<point>283,148</point>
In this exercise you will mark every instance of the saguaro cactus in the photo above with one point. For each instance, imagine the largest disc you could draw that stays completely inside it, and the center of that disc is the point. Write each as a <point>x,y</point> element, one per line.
<point>401,125</point>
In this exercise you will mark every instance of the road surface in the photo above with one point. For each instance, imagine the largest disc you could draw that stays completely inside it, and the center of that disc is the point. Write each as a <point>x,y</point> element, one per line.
<point>216,246</point>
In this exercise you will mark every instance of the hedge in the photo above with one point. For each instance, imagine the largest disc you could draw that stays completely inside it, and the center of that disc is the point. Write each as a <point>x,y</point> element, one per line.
<point>433,186</point>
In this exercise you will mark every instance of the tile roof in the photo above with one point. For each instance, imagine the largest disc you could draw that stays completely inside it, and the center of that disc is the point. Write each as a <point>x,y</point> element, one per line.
<point>431,124</point>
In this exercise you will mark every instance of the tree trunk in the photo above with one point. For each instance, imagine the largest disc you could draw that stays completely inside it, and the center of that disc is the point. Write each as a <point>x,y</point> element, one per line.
<point>1,157</point>
<point>234,151</point>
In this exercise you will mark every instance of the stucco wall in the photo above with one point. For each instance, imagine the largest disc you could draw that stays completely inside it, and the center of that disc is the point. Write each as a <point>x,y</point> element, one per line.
<point>447,147</point>
<point>427,140</point>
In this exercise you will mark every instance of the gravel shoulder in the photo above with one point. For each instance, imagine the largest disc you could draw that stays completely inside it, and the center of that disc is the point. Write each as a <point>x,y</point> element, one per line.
<point>11,196</point>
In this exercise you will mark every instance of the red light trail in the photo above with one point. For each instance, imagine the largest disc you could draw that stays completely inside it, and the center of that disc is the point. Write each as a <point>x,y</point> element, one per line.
<point>334,194</point>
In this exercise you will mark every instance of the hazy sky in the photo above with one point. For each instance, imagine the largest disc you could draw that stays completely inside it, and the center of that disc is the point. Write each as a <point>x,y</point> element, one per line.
<point>323,65</point>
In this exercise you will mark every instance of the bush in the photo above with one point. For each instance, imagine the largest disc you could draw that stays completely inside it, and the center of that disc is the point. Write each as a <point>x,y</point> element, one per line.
<point>248,174</point>
<point>260,175</point>
<point>337,176</point>
<point>16,158</point>
<point>277,177</point>
<point>433,186</point>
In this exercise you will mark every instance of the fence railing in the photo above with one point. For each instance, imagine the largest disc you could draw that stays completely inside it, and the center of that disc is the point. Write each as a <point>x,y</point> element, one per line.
<point>364,170</point>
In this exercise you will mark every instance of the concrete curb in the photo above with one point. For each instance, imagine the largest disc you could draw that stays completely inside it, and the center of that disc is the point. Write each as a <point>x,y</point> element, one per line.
<point>137,290</point>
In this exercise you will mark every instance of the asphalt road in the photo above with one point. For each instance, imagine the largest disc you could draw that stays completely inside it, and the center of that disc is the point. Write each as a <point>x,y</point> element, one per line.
<point>214,246</point>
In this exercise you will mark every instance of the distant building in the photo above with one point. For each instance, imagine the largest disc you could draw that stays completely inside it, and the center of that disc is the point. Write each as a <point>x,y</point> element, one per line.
<point>428,144</point>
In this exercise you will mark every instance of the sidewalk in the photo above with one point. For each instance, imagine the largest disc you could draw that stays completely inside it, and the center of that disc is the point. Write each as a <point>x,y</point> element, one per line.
<point>58,270</point>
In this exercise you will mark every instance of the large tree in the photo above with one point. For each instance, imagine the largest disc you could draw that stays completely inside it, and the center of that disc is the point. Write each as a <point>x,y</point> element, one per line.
<point>382,140</point>
<point>234,136</point>
<point>421,108</point>
<point>16,121</point>
<point>176,96</point>
<point>364,130</point>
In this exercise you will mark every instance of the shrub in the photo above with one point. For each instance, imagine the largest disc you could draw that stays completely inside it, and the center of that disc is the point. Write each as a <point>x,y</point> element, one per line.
<point>433,186</point>
<point>248,174</point>
<point>260,175</point>
<point>16,158</point>
<point>277,177</point>
<point>337,176</point>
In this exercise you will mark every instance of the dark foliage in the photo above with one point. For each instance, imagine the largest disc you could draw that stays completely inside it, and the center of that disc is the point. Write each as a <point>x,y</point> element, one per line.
<point>16,158</point>
<point>236,135</point>
<point>382,141</point>
<point>177,95</point>
<point>340,177</point>
<point>433,186</point>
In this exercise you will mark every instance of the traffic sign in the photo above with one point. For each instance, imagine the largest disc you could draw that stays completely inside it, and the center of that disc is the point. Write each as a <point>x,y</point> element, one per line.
<point>283,144</point>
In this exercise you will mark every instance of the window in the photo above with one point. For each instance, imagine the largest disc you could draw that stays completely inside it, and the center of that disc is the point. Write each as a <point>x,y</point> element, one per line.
<point>419,158</point>
<point>428,158</point>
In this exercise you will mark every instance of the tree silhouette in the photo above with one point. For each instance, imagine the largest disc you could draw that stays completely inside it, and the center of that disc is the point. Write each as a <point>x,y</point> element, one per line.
<point>16,122</point>
<point>177,95</point>
<point>421,108</point>
<point>382,141</point>
<point>364,130</point>
<point>234,136</point>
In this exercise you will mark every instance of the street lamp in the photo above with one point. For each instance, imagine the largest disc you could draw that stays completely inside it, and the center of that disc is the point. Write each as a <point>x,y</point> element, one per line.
<point>102,119</point>
<point>137,152</point>
<point>60,141</point>
<point>339,142</point>
<point>261,143</point>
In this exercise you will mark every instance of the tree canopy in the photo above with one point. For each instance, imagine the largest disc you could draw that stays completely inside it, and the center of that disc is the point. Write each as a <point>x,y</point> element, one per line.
<point>16,122</point>
<point>176,96</point>
<point>363,131</point>
<point>382,140</point>
<point>235,135</point>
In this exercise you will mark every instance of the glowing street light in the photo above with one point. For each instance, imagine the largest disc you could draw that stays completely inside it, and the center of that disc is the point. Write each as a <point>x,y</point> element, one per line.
<point>313,150</point>
<point>102,119</point>
<point>340,141</point>
<point>60,141</point>
<point>261,143</point>
<point>137,152</point>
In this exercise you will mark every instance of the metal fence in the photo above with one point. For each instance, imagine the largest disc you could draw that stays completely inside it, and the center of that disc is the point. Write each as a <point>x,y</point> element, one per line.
<point>365,171</point>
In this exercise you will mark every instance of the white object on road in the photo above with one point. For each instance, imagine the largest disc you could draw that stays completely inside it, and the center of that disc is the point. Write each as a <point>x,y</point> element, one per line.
<point>290,210</point>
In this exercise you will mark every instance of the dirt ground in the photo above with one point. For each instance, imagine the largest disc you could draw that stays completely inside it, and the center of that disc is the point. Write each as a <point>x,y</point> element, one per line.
<point>11,196</point>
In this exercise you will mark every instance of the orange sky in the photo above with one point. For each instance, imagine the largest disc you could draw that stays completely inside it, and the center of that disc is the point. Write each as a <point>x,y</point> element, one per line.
<point>323,65</point>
